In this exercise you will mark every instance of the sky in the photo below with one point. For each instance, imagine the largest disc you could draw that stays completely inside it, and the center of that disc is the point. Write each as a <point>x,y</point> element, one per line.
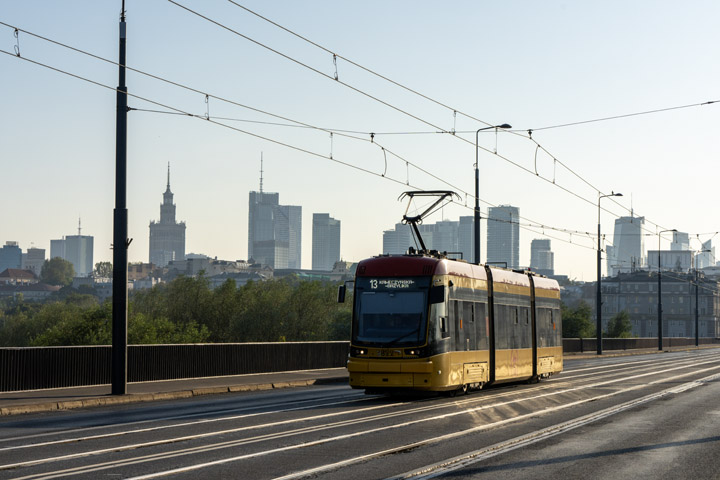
<point>526,63</point>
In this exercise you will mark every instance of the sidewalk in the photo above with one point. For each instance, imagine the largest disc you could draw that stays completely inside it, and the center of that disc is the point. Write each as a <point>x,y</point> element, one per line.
<point>34,401</point>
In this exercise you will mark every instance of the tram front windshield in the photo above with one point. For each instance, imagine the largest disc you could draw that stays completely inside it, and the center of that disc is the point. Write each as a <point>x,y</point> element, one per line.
<point>390,312</point>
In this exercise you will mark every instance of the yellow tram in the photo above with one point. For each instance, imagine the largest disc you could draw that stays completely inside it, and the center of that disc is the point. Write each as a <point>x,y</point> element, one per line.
<point>422,321</point>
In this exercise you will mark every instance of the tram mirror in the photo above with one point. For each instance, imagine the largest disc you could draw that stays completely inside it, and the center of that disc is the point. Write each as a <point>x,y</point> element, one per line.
<point>341,294</point>
<point>437,294</point>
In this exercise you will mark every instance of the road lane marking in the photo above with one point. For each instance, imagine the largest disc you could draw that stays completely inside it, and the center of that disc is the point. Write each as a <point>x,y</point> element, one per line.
<point>462,461</point>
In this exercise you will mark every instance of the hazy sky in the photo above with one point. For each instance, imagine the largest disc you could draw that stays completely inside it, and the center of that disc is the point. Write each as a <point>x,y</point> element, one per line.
<point>528,63</point>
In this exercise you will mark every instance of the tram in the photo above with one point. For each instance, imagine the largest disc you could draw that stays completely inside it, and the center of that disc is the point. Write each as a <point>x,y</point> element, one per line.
<point>422,321</point>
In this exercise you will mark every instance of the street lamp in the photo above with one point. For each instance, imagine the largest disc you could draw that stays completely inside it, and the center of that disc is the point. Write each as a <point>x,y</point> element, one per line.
<point>660,345</point>
<point>697,314</point>
<point>476,224</point>
<point>598,301</point>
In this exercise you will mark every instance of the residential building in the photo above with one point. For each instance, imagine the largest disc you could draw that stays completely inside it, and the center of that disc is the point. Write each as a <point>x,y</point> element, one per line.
<point>636,293</point>
<point>542,259</point>
<point>503,236</point>
<point>675,260</point>
<point>33,260</point>
<point>325,241</point>
<point>167,237</point>
<point>16,276</point>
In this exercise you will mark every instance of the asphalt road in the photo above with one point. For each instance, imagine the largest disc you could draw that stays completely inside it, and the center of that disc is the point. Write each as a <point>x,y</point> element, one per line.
<point>646,416</point>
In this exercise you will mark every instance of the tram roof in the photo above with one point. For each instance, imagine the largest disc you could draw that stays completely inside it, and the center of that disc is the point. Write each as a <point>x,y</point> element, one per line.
<point>422,265</point>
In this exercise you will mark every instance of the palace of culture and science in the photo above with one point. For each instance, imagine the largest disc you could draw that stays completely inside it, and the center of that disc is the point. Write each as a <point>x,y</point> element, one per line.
<point>167,237</point>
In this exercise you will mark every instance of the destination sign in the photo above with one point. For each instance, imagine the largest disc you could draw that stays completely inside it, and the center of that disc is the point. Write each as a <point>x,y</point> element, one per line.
<point>391,283</point>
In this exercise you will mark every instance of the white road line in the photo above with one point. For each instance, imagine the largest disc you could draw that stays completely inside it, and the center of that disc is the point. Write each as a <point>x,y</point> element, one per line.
<point>177,425</point>
<point>319,428</point>
<point>352,398</point>
<point>405,424</point>
<point>344,463</point>
<point>462,461</point>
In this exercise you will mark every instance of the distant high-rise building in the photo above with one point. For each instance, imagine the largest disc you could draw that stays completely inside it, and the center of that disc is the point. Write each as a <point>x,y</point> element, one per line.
<point>627,253</point>
<point>76,249</point>
<point>706,258</point>
<point>79,252</point>
<point>503,236</point>
<point>681,241</point>
<point>33,260</point>
<point>451,236</point>
<point>466,237</point>
<point>167,237</point>
<point>397,240</point>
<point>325,241</point>
<point>542,259</point>
<point>274,231</point>
<point>10,256</point>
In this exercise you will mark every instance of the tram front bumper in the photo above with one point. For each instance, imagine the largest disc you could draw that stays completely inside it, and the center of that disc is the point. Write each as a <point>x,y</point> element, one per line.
<point>370,373</point>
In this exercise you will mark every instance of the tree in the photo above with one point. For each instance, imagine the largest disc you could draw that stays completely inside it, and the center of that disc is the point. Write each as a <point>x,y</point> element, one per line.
<point>104,269</point>
<point>619,325</point>
<point>57,271</point>
<point>576,321</point>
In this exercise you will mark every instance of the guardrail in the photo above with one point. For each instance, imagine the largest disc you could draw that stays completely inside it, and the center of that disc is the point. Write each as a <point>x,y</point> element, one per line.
<point>589,345</point>
<point>31,368</point>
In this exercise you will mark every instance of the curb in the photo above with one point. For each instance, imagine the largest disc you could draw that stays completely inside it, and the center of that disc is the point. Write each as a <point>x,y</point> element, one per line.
<point>150,397</point>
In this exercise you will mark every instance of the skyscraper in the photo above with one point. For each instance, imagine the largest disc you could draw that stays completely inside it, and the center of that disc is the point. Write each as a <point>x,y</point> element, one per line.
<point>325,241</point>
<point>10,256</point>
<point>76,249</point>
<point>628,250</point>
<point>451,236</point>
<point>167,237</point>
<point>274,230</point>
<point>542,259</point>
<point>503,236</point>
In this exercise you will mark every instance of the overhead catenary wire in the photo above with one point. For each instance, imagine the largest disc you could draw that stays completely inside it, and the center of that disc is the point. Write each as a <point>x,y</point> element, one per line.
<point>207,96</point>
<point>180,112</point>
<point>206,116</point>
<point>310,126</point>
<point>455,111</point>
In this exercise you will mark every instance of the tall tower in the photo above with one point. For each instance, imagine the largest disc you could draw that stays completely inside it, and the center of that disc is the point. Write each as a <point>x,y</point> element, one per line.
<point>274,230</point>
<point>503,235</point>
<point>167,237</point>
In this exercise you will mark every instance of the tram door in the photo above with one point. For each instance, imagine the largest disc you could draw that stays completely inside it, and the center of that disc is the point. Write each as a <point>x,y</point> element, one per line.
<point>464,325</point>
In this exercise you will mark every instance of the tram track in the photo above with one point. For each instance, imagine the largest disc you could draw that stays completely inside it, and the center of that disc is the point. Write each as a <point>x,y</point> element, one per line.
<point>429,411</point>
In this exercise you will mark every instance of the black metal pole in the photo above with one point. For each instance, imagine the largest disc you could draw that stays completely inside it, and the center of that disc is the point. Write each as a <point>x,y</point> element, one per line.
<point>476,221</point>
<point>697,315</point>
<point>120,232</point>
<point>598,300</point>
<point>660,342</point>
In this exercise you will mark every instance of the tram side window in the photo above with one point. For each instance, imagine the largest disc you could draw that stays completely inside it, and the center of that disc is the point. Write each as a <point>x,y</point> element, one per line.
<point>481,326</point>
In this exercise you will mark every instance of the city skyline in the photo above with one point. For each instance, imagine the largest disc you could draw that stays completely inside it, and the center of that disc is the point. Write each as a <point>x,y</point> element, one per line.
<point>62,145</point>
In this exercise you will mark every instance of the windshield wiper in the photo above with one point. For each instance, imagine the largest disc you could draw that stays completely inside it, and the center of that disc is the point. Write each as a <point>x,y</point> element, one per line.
<point>405,335</point>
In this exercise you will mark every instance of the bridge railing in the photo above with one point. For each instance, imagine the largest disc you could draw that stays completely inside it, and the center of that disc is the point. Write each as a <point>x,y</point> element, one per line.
<point>32,368</point>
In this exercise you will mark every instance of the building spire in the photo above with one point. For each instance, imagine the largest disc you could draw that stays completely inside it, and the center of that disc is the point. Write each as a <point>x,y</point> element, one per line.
<point>261,171</point>
<point>79,225</point>
<point>168,185</point>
